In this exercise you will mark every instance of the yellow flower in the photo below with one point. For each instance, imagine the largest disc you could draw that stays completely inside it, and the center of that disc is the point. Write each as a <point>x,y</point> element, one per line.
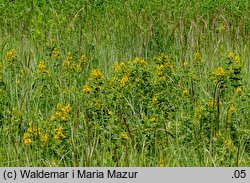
<point>161,163</point>
<point>185,91</point>
<point>185,64</point>
<point>154,99</point>
<point>26,135</point>
<point>39,131</point>
<point>17,81</point>
<point>238,90</point>
<point>67,108</point>
<point>159,79</point>
<point>63,110</point>
<point>62,135</point>
<point>139,61</point>
<point>211,103</point>
<point>56,136</point>
<point>115,78</point>
<point>11,55</point>
<point>124,81</point>
<point>96,74</point>
<point>159,69</point>
<point>86,89</point>
<point>52,118</point>
<point>55,53</point>
<point>116,67</point>
<point>222,27</point>
<point>83,59</point>
<point>220,72</point>
<point>229,144</point>
<point>237,59</point>
<point>218,134</point>
<point>230,55</point>
<point>231,108</point>
<point>44,138</point>
<point>64,118</point>
<point>152,119</point>
<point>110,112</point>
<point>66,63</point>
<point>197,57</point>
<point>68,60</point>
<point>123,65</point>
<point>30,129</point>
<point>59,106</point>
<point>124,135</point>
<point>59,128</point>
<point>27,141</point>
<point>59,133</point>
<point>42,67</point>
<point>137,80</point>
<point>58,113</point>
<point>77,67</point>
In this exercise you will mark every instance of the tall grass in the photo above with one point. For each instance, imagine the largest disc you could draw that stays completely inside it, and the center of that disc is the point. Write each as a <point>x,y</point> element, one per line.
<point>188,123</point>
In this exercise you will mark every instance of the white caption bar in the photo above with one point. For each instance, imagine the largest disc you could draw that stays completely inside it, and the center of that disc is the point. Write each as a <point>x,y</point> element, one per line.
<point>128,175</point>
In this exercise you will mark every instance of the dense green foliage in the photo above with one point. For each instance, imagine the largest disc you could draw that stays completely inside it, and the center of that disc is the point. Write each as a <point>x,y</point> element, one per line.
<point>124,83</point>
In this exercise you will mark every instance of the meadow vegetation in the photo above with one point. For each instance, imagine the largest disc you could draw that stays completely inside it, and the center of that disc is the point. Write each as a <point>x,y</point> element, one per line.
<point>124,83</point>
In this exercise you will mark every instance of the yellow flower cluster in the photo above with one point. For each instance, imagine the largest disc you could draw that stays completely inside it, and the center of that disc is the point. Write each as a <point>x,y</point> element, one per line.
<point>162,59</point>
<point>78,67</point>
<point>218,134</point>
<point>220,72</point>
<point>31,127</point>
<point>238,90</point>
<point>185,64</point>
<point>124,67</point>
<point>230,55</point>
<point>159,72</point>
<point>140,61</point>
<point>231,108</point>
<point>159,69</point>
<point>86,89</point>
<point>197,57</point>
<point>229,144</point>
<point>154,99</point>
<point>152,119</point>
<point>237,59</point>
<point>26,138</point>
<point>96,74</point>
<point>11,55</point>
<point>161,163</point>
<point>31,132</point>
<point>68,60</point>
<point>27,141</point>
<point>211,103</point>
<point>110,112</point>
<point>42,67</point>
<point>124,80</point>
<point>222,27</point>
<point>55,53</point>
<point>217,74</point>
<point>83,59</point>
<point>116,66</point>
<point>62,112</point>
<point>124,135</point>
<point>44,138</point>
<point>185,91</point>
<point>163,65</point>
<point>59,133</point>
